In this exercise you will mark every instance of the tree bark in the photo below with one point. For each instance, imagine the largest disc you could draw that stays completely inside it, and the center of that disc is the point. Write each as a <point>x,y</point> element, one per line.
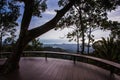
<point>0,44</point>
<point>12,63</point>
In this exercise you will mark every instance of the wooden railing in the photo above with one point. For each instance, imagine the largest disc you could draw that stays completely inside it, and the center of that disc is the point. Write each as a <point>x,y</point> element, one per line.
<point>113,66</point>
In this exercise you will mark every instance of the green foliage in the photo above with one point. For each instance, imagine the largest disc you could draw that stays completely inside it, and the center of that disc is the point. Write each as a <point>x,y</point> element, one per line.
<point>86,14</point>
<point>109,4</point>
<point>9,41</point>
<point>62,2</point>
<point>113,26</point>
<point>34,45</point>
<point>115,29</point>
<point>92,14</point>
<point>9,13</point>
<point>8,44</point>
<point>107,49</point>
<point>39,7</point>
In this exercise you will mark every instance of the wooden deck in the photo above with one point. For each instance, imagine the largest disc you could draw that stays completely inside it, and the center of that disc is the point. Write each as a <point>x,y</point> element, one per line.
<point>57,69</point>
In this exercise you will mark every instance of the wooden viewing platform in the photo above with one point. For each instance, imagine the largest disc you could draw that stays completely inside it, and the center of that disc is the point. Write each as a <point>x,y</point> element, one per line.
<point>112,66</point>
<point>32,68</point>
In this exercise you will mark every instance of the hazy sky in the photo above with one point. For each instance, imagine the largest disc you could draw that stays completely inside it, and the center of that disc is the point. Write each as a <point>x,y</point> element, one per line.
<point>60,34</point>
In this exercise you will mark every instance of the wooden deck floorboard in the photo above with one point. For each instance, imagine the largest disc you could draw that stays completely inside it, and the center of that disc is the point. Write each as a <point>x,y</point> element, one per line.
<point>56,69</point>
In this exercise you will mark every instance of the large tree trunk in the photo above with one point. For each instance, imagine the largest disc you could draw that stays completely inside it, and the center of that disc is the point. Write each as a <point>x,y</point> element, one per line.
<point>12,63</point>
<point>0,44</point>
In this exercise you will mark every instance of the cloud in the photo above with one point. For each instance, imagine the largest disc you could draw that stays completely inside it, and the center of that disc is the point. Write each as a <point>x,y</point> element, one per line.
<point>100,33</point>
<point>52,4</point>
<point>114,15</point>
<point>50,12</point>
<point>36,21</point>
<point>56,34</point>
<point>116,18</point>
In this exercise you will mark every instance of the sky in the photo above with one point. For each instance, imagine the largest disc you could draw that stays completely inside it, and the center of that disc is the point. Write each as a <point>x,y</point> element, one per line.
<point>59,36</point>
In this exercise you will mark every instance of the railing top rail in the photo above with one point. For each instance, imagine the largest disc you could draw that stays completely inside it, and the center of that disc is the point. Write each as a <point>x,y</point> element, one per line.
<point>117,65</point>
<point>114,64</point>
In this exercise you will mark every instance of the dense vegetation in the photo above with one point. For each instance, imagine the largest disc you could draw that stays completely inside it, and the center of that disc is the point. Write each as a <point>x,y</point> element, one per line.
<point>107,49</point>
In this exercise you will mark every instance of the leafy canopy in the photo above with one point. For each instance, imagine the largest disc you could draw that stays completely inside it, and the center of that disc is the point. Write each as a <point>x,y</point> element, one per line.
<point>107,48</point>
<point>9,13</point>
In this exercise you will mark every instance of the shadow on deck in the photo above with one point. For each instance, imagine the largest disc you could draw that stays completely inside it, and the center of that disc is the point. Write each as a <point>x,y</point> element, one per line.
<point>57,69</point>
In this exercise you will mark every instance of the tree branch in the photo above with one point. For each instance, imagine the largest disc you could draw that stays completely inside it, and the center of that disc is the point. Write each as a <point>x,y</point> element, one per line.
<point>33,33</point>
<point>27,16</point>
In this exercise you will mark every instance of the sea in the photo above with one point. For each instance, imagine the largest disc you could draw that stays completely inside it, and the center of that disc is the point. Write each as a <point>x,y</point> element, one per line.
<point>63,44</point>
<point>68,47</point>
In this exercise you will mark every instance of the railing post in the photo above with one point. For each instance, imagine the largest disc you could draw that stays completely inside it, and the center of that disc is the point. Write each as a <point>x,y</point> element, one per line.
<point>112,77</point>
<point>45,56</point>
<point>111,70</point>
<point>0,54</point>
<point>74,59</point>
